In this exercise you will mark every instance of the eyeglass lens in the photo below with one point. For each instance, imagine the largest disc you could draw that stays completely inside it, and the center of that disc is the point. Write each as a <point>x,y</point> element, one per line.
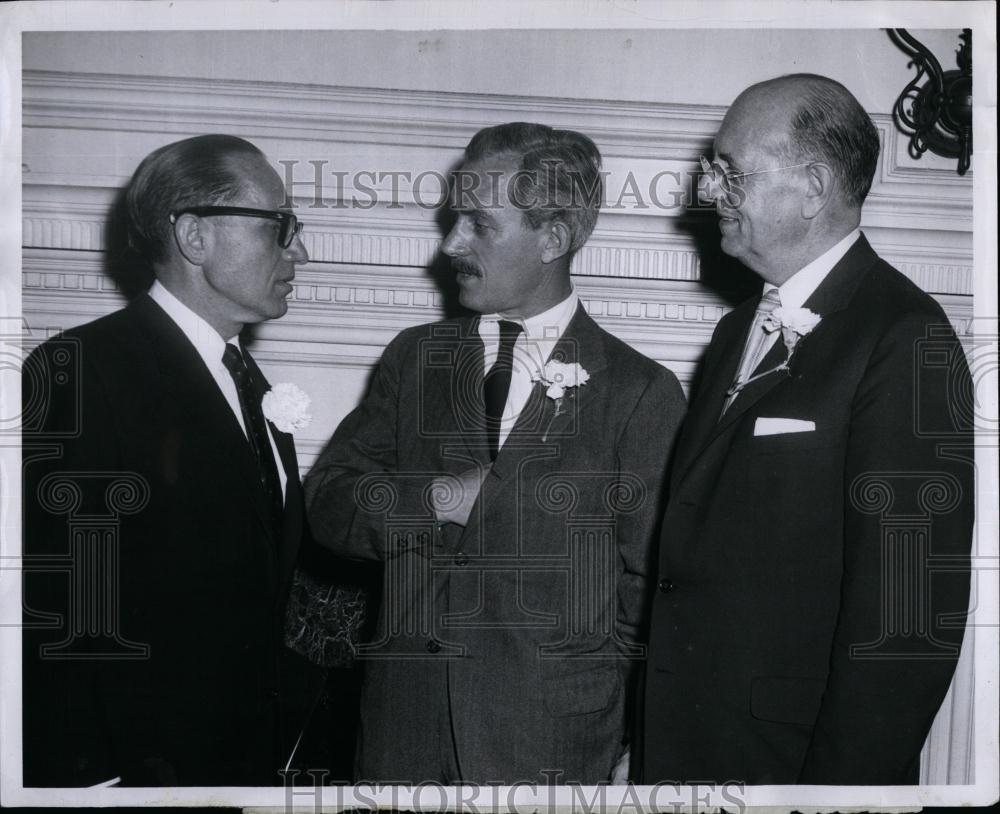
<point>290,227</point>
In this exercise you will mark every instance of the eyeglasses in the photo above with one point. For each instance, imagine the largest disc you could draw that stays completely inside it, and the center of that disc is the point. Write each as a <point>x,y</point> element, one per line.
<point>730,182</point>
<point>289,225</point>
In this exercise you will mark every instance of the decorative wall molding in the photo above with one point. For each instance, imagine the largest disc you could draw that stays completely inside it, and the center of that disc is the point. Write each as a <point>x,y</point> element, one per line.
<point>932,260</point>
<point>347,115</point>
<point>920,220</point>
<point>376,116</point>
<point>356,305</point>
<point>416,131</point>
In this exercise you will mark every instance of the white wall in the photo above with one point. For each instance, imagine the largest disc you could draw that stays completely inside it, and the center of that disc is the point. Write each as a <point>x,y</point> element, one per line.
<point>693,66</point>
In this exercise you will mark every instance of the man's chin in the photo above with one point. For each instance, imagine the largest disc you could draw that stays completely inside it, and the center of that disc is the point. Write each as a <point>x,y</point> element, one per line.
<point>277,309</point>
<point>470,301</point>
<point>730,245</point>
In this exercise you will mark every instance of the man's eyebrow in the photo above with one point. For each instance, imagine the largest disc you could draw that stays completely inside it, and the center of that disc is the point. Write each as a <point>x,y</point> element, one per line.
<point>476,211</point>
<point>726,157</point>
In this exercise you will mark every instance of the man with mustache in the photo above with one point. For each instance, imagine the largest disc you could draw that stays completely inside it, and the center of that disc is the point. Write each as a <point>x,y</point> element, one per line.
<point>150,462</point>
<point>507,468</point>
<point>813,569</point>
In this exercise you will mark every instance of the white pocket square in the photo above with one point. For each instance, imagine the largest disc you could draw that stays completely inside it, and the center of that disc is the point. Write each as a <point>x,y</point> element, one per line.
<point>781,426</point>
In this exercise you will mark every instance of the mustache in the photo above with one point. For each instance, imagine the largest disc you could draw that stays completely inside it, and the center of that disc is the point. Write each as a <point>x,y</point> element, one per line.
<point>463,266</point>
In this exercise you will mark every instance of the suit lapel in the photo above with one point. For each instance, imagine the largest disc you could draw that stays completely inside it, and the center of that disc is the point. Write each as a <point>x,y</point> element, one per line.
<point>192,391</point>
<point>836,291</point>
<point>721,364</point>
<point>581,343</point>
<point>292,516</point>
<point>282,440</point>
<point>451,382</point>
<point>832,295</point>
<point>756,390</point>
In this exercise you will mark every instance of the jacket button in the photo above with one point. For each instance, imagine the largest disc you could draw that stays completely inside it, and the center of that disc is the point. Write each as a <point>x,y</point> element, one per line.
<point>665,586</point>
<point>432,646</point>
<point>461,558</point>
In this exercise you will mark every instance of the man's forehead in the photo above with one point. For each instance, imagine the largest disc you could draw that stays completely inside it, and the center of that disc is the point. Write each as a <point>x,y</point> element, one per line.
<point>748,134</point>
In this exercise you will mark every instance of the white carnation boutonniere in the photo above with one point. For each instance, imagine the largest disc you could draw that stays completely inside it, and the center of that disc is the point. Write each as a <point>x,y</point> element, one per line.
<point>794,324</point>
<point>287,407</point>
<point>558,377</point>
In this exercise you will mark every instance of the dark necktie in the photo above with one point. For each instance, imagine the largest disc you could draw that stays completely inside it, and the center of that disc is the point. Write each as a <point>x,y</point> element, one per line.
<point>260,442</point>
<point>496,385</point>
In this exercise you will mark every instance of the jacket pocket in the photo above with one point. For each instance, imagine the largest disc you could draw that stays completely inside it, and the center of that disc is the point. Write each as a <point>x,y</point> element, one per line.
<point>786,699</point>
<point>580,693</point>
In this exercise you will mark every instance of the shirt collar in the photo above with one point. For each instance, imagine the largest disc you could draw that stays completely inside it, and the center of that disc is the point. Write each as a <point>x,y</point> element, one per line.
<point>548,325</point>
<point>206,340</point>
<point>800,286</point>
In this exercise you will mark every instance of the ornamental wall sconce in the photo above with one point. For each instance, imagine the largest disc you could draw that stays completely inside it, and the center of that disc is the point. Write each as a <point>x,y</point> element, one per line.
<point>938,115</point>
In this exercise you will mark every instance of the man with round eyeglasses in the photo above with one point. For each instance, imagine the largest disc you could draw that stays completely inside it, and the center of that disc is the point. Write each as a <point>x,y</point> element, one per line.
<point>152,418</point>
<point>813,567</point>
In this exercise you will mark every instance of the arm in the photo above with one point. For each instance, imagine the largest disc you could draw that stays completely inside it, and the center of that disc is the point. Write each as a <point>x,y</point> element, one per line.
<point>644,452</point>
<point>881,698</point>
<point>65,430</point>
<point>356,483</point>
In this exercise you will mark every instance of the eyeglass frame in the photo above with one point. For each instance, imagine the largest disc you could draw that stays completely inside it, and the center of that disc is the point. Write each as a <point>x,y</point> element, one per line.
<point>291,226</point>
<point>725,178</point>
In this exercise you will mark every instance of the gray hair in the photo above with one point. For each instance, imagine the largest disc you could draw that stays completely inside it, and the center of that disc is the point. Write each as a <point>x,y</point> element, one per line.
<point>830,125</point>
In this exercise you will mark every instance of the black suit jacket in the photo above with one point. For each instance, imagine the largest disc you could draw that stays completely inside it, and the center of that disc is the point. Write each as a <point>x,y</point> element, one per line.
<point>813,584</point>
<point>147,534</point>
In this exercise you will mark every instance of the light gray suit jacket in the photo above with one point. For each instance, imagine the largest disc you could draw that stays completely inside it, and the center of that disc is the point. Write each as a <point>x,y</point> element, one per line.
<point>504,649</point>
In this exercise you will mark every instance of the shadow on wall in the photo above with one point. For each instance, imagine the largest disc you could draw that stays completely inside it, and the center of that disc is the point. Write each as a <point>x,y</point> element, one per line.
<point>127,268</point>
<point>720,274</point>
<point>439,268</point>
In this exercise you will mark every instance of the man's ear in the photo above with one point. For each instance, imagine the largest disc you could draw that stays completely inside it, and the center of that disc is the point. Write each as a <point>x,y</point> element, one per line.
<point>558,241</point>
<point>190,238</point>
<point>820,189</point>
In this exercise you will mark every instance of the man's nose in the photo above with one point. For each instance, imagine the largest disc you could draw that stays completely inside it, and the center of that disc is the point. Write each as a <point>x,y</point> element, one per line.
<point>454,243</point>
<point>296,250</point>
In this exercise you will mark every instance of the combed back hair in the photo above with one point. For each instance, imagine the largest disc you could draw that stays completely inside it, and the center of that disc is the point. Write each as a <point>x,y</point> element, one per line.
<point>199,171</point>
<point>558,174</point>
<point>829,125</point>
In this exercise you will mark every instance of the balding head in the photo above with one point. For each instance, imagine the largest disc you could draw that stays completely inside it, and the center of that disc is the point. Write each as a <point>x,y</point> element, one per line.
<point>798,156</point>
<point>818,119</point>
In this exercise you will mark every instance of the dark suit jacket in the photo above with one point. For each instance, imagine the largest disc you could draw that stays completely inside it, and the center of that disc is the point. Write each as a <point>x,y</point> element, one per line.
<point>813,585</point>
<point>503,648</point>
<point>137,473</point>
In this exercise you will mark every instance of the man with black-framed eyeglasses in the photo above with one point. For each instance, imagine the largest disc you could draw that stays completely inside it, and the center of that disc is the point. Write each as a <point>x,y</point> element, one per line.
<point>288,225</point>
<point>189,682</point>
<point>811,593</point>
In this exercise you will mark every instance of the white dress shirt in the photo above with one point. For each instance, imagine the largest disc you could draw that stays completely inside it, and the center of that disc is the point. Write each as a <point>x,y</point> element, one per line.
<point>210,346</point>
<point>800,286</point>
<point>532,349</point>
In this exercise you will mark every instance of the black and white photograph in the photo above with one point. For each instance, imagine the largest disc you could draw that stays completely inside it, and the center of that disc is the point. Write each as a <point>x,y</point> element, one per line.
<point>437,406</point>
